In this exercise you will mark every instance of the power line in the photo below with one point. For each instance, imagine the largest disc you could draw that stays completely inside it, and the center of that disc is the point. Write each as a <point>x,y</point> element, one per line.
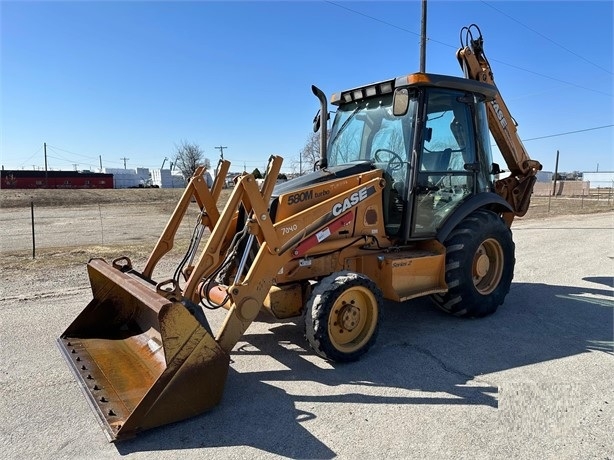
<point>61,157</point>
<point>553,78</point>
<point>456,47</point>
<point>388,23</point>
<point>568,132</point>
<point>92,160</point>
<point>547,38</point>
<point>31,156</point>
<point>72,153</point>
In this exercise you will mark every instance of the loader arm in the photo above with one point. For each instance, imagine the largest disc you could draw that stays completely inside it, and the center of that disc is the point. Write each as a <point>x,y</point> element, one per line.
<point>206,199</point>
<point>138,347</point>
<point>517,188</point>
<point>276,247</point>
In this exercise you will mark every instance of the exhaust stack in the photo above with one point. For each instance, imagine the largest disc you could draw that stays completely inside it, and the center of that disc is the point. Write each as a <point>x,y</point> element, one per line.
<point>321,122</point>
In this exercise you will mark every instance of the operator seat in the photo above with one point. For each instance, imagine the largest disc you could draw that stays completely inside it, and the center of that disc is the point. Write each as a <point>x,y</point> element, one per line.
<point>436,161</point>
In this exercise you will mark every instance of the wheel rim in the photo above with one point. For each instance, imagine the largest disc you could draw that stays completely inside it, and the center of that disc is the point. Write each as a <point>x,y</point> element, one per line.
<point>488,265</point>
<point>352,319</point>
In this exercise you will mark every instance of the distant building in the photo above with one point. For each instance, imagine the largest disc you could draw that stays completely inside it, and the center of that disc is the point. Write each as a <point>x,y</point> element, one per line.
<point>544,176</point>
<point>129,178</point>
<point>599,179</point>
<point>145,177</point>
<point>24,179</point>
<point>165,178</point>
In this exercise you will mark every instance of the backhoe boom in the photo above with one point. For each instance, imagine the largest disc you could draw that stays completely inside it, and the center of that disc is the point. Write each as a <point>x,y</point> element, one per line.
<point>517,188</point>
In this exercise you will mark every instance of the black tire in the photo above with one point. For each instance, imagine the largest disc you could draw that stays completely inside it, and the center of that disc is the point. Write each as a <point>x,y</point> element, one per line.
<point>342,316</point>
<point>479,266</point>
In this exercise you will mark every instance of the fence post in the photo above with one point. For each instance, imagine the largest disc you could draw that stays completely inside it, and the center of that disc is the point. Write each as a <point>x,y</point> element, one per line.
<point>33,235</point>
<point>101,227</point>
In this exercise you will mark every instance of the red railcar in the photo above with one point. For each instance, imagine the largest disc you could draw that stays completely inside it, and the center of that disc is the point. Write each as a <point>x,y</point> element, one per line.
<point>23,179</point>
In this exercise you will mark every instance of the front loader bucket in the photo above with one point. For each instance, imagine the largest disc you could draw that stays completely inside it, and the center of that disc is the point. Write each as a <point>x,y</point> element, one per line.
<point>141,360</point>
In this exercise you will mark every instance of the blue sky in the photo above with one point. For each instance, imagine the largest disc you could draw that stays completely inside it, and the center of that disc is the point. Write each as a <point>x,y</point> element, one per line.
<point>114,80</point>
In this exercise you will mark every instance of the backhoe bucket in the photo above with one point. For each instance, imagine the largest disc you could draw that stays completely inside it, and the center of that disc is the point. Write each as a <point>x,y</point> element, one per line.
<point>141,359</point>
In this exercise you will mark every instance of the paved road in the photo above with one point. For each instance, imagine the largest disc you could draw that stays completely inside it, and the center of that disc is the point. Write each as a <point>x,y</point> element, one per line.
<point>532,381</point>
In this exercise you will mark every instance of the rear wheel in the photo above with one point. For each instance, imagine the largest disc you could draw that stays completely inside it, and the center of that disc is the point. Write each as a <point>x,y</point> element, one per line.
<point>479,266</point>
<point>341,321</point>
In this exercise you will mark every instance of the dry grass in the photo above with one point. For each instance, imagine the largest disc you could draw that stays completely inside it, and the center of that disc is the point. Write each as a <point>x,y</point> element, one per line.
<point>541,207</point>
<point>79,197</point>
<point>544,207</point>
<point>63,257</point>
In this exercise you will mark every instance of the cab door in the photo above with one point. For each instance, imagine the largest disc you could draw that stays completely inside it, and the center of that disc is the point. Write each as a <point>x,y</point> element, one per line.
<point>443,179</point>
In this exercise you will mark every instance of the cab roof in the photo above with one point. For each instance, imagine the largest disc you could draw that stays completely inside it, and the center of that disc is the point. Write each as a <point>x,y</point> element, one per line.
<point>414,80</point>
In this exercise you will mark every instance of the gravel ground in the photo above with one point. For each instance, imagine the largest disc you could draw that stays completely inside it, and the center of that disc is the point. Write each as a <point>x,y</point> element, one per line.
<point>532,381</point>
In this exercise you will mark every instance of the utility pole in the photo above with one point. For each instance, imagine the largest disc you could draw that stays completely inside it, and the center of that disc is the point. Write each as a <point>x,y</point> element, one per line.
<point>221,149</point>
<point>125,159</point>
<point>423,39</point>
<point>46,175</point>
<point>556,173</point>
<point>100,158</point>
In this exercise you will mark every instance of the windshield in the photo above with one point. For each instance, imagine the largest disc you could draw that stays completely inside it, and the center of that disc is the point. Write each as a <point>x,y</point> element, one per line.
<point>368,131</point>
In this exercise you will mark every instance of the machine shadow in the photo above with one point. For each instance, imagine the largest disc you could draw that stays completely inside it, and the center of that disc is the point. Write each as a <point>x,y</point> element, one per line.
<point>424,350</point>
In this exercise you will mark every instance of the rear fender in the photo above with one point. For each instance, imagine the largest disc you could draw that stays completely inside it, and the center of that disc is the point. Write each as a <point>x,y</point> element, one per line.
<point>487,200</point>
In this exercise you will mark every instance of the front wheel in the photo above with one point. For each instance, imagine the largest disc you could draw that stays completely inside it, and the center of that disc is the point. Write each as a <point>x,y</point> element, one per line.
<point>341,321</point>
<point>479,266</point>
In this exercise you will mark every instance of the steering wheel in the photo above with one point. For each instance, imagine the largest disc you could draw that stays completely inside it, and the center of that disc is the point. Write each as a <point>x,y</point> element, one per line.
<point>395,162</point>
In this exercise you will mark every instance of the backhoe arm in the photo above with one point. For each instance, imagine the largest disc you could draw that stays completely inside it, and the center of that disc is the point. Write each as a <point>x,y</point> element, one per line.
<point>517,188</point>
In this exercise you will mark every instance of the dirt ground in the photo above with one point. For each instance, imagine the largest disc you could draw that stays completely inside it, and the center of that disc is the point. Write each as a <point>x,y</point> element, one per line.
<point>167,198</point>
<point>80,197</point>
<point>74,225</point>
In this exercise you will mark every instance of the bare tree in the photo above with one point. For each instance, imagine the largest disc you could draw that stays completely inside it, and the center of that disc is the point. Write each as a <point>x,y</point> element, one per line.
<point>188,157</point>
<point>310,153</point>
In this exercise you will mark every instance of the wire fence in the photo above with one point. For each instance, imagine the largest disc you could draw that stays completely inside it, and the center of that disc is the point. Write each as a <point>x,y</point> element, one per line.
<point>575,205</point>
<point>29,229</point>
<point>32,228</point>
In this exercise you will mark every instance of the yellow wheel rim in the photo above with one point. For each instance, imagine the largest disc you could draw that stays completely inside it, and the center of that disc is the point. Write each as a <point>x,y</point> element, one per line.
<point>488,265</point>
<point>352,319</point>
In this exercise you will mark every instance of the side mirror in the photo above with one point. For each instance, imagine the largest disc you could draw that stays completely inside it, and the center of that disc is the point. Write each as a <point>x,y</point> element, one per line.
<point>316,122</point>
<point>496,169</point>
<point>400,103</point>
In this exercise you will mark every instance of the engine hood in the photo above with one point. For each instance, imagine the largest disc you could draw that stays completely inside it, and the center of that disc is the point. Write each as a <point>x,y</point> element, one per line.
<point>322,175</point>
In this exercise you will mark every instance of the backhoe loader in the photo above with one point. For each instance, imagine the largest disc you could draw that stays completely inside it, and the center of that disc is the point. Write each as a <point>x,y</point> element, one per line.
<point>403,203</point>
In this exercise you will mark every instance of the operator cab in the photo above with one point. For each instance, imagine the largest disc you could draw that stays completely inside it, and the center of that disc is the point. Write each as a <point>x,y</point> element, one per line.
<point>429,136</point>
